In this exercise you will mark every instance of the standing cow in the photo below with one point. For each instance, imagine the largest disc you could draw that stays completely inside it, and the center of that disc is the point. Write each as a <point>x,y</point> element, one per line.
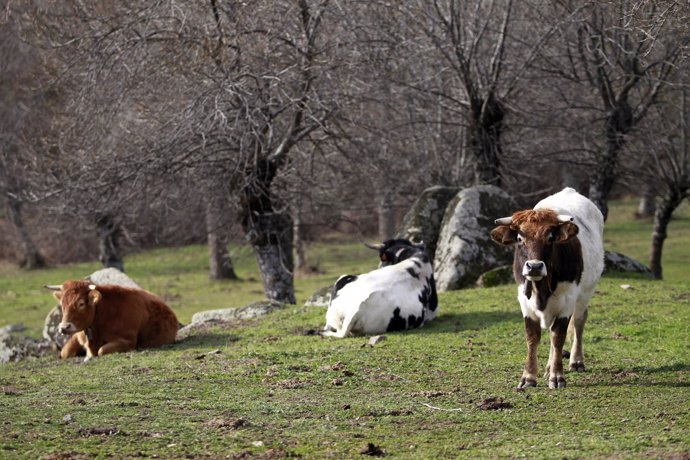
<point>559,257</point>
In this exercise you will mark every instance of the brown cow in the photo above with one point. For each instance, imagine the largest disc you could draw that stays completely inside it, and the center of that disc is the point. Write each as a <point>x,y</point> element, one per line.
<point>109,319</point>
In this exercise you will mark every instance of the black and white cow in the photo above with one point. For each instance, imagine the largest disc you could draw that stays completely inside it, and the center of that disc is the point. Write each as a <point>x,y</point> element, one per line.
<point>398,296</point>
<point>559,257</point>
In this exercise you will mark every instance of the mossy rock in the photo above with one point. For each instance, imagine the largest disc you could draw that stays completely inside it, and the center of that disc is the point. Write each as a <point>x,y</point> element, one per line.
<point>496,277</point>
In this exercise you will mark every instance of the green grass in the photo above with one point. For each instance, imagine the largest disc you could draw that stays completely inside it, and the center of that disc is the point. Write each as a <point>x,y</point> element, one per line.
<point>262,388</point>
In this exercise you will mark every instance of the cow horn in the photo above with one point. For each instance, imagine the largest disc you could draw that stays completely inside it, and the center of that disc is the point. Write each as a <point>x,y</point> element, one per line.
<point>563,218</point>
<point>504,221</point>
<point>53,287</point>
<point>378,246</point>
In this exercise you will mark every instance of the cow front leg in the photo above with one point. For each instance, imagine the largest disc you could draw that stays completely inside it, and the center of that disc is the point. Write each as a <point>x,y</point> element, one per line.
<point>117,346</point>
<point>532,335</point>
<point>559,329</point>
<point>577,359</point>
<point>71,348</point>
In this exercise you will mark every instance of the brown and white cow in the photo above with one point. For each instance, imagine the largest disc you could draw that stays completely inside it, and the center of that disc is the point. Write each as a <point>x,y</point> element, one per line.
<point>559,258</point>
<point>110,319</point>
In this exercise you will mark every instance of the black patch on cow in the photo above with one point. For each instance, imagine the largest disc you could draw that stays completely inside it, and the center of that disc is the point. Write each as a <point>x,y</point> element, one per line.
<point>395,251</point>
<point>428,297</point>
<point>342,281</point>
<point>415,321</point>
<point>528,290</point>
<point>416,263</point>
<point>412,273</point>
<point>397,322</point>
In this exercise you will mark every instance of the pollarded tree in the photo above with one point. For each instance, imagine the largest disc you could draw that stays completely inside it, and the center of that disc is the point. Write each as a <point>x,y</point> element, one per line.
<point>668,168</point>
<point>224,85</point>
<point>619,57</point>
<point>24,109</point>
<point>476,55</point>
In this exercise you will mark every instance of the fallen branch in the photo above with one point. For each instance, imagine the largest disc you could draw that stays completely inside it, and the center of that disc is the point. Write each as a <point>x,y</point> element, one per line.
<point>457,409</point>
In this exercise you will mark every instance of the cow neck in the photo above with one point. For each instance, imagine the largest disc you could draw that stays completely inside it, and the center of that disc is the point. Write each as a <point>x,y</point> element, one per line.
<point>543,289</point>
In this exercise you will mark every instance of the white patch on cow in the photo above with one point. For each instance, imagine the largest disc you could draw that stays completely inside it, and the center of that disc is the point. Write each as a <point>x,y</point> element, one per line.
<point>561,303</point>
<point>366,305</point>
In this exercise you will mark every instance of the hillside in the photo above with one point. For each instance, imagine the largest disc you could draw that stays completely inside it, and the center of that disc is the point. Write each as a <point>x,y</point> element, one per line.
<point>264,389</point>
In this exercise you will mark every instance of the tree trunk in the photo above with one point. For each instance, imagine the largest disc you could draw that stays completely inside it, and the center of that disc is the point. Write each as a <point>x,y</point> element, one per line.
<point>662,217</point>
<point>484,138</point>
<point>647,205</point>
<point>298,237</point>
<point>31,257</point>
<point>618,122</point>
<point>271,237</point>
<point>219,260</point>
<point>386,216</point>
<point>109,233</point>
<point>269,233</point>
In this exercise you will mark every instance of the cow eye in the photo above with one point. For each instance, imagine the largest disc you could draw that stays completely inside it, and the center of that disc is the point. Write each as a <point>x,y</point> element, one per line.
<point>520,239</point>
<point>551,238</point>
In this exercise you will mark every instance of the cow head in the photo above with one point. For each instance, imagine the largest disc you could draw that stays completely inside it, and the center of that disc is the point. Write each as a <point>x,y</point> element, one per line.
<point>534,232</point>
<point>393,251</point>
<point>78,300</point>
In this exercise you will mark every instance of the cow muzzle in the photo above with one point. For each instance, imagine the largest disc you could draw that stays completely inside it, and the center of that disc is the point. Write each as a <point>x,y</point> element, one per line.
<point>67,328</point>
<point>534,270</point>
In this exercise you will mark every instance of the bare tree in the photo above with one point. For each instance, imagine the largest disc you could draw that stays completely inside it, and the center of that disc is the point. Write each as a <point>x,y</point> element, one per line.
<point>671,166</point>
<point>624,53</point>
<point>24,106</point>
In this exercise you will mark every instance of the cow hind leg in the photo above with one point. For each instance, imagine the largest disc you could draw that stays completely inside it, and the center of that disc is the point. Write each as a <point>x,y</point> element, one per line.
<point>577,361</point>
<point>532,336</point>
<point>559,330</point>
<point>344,329</point>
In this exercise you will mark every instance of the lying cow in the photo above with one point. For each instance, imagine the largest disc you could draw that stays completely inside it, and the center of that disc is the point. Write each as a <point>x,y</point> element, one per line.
<point>400,295</point>
<point>109,319</point>
<point>559,257</point>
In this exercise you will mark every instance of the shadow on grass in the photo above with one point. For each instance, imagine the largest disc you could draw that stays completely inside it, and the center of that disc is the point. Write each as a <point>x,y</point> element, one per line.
<point>475,320</point>
<point>205,339</point>
<point>446,323</point>
<point>675,367</point>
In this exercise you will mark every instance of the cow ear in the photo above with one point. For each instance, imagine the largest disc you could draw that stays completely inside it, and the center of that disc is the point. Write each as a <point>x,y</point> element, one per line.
<point>565,232</point>
<point>57,295</point>
<point>504,235</point>
<point>94,297</point>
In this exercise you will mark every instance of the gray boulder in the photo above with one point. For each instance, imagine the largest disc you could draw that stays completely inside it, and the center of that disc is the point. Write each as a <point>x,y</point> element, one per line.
<point>15,347</point>
<point>104,276</point>
<point>320,298</point>
<point>112,276</point>
<point>617,262</point>
<point>422,223</point>
<point>465,249</point>
<point>203,319</point>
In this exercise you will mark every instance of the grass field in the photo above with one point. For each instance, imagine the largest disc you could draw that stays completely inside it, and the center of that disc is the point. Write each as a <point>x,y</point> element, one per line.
<point>263,389</point>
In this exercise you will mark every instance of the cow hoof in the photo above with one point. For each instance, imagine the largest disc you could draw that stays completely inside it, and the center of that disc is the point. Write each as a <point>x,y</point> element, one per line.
<point>557,382</point>
<point>526,383</point>
<point>577,366</point>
